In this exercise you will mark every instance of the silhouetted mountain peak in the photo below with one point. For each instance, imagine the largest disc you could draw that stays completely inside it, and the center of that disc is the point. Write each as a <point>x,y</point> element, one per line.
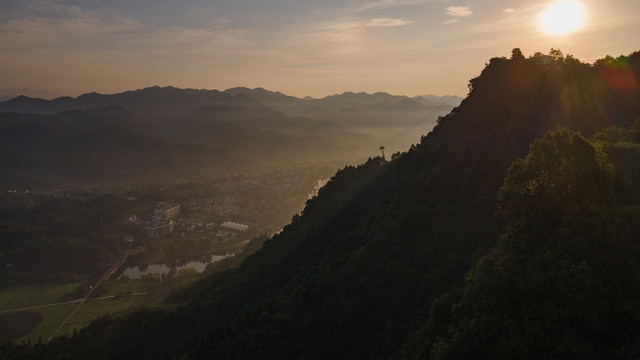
<point>92,96</point>
<point>362,97</point>
<point>19,98</point>
<point>22,99</point>
<point>267,97</point>
<point>63,98</point>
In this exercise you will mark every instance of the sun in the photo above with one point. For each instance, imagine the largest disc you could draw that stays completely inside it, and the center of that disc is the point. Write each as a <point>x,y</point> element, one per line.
<point>562,17</point>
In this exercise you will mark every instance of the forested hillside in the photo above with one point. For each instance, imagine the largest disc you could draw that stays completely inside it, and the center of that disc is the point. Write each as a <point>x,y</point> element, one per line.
<point>463,246</point>
<point>563,280</point>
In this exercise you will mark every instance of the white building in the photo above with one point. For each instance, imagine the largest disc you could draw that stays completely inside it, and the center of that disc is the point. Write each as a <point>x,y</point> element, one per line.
<point>235,226</point>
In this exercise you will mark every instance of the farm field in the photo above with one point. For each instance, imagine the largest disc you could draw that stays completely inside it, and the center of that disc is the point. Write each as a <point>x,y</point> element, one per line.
<point>19,296</point>
<point>46,307</point>
<point>51,318</point>
<point>93,309</point>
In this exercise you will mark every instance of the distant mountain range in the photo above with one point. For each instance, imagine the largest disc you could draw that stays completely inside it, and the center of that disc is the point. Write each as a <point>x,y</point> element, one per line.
<point>7,94</point>
<point>180,101</point>
<point>100,144</point>
<point>168,131</point>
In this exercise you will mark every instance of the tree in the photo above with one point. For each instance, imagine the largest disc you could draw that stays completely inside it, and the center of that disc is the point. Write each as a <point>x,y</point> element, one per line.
<point>548,289</point>
<point>516,54</point>
<point>562,171</point>
<point>556,54</point>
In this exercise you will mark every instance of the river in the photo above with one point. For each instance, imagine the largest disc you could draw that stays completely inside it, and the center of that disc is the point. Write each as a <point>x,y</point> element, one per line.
<point>138,271</point>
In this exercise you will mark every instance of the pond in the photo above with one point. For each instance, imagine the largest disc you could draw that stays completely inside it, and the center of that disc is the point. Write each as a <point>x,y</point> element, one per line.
<point>138,271</point>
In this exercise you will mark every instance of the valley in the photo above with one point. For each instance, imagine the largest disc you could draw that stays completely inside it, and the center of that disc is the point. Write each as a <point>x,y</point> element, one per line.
<point>62,292</point>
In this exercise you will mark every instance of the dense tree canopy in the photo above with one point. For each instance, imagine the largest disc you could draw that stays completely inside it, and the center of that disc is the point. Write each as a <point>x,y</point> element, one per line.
<point>560,283</point>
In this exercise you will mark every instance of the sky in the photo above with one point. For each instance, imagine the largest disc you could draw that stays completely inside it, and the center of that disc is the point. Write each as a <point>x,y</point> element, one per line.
<point>299,47</point>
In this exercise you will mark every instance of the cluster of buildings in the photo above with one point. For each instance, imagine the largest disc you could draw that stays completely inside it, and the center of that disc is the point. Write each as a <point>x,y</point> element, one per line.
<point>165,220</point>
<point>217,233</point>
<point>161,223</point>
<point>221,204</point>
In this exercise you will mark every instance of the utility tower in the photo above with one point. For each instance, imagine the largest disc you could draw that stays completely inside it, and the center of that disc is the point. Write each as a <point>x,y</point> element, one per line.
<point>383,159</point>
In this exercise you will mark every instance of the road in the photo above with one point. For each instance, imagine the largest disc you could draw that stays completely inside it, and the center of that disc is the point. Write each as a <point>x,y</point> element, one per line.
<point>81,300</point>
<point>85,298</point>
<point>104,276</point>
<point>91,290</point>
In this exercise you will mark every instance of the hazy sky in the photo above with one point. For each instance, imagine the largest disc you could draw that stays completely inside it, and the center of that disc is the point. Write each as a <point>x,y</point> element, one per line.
<point>299,47</point>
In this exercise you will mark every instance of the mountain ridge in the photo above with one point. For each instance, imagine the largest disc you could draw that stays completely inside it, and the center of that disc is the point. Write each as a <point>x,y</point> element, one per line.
<point>255,124</point>
<point>25,104</point>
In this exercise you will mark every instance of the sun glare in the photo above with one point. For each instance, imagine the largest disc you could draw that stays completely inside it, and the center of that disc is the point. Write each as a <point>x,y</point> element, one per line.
<point>562,17</point>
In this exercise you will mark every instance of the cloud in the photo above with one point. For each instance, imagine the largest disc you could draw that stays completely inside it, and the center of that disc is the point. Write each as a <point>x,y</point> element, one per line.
<point>459,10</point>
<point>44,21</point>
<point>381,4</point>
<point>452,21</point>
<point>359,24</point>
<point>386,22</point>
<point>349,42</point>
<point>76,31</point>
<point>508,11</point>
<point>49,29</point>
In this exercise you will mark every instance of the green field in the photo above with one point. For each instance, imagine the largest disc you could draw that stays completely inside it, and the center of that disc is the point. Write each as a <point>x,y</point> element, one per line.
<point>52,317</point>
<point>14,297</point>
<point>15,325</point>
<point>93,309</point>
<point>115,286</point>
<point>17,297</point>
